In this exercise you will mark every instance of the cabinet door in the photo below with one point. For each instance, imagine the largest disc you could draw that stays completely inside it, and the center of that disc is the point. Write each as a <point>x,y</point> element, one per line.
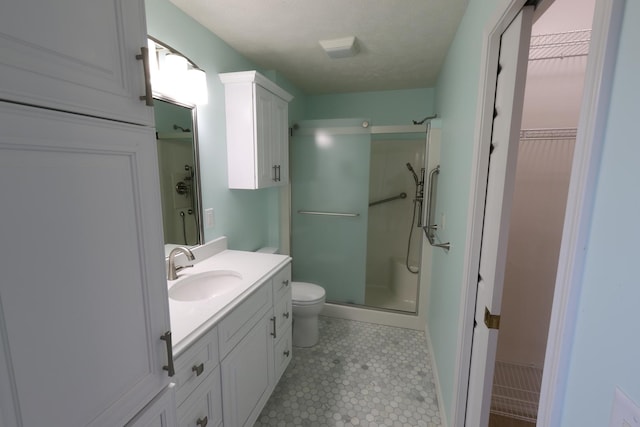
<point>266,171</point>
<point>160,412</point>
<point>75,55</point>
<point>83,297</point>
<point>248,375</point>
<point>280,139</point>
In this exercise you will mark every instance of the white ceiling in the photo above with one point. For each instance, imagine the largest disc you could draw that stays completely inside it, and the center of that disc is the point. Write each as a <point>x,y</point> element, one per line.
<point>402,42</point>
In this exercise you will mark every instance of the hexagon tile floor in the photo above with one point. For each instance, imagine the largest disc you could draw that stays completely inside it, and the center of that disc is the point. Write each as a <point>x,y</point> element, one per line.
<point>359,374</point>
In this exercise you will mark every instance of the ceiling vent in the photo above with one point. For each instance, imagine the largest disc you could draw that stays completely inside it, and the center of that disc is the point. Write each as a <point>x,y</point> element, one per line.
<point>345,47</point>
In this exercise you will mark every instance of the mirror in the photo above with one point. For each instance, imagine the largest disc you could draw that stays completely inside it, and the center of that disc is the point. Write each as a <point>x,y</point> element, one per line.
<point>179,173</point>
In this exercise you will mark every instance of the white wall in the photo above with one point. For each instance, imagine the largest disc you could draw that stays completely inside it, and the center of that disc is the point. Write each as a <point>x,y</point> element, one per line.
<point>606,345</point>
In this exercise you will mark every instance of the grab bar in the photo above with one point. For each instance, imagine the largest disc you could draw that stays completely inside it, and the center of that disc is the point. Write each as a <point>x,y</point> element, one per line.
<point>389,199</point>
<point>429,229</point>
<point>328,213</point>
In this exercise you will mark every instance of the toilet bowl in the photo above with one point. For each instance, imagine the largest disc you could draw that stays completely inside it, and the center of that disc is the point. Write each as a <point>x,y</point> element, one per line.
<point>307,301</point>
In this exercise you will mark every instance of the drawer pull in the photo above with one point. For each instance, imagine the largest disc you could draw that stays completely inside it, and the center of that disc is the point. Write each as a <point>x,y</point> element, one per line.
<point>285,315</point>
<point>286,353</point>
<point>202,422</point>
<point>166,337</point>
<point>273,334</point>
<point>148,92</point>
<point>285,282</point>
<point>198,369</point>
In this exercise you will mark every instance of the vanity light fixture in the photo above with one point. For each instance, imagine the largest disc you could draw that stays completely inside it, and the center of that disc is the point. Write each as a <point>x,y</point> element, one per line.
<point>345,47</point>
<point>174,76</point>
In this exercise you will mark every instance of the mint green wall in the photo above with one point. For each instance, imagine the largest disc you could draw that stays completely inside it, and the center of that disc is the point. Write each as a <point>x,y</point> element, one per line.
<point>389,107</point>
<point>247,217</point>
<point>607,353</point>
<point>456,101</point>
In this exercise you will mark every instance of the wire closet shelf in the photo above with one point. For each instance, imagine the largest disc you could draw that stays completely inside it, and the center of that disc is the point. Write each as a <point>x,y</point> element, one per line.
<point>568,44</point>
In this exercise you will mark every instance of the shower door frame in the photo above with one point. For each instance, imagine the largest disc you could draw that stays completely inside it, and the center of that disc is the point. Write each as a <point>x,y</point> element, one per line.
<point>407,320</point>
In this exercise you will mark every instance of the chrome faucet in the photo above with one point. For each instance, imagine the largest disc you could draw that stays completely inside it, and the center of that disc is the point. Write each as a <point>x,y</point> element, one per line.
<point>173,270</point>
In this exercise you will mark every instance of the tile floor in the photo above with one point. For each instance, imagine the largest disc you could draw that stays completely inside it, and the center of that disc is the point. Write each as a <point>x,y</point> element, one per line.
<point>359,374</point>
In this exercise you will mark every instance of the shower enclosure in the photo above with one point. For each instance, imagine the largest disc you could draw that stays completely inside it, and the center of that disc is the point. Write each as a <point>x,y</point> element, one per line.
<point>356,202</point>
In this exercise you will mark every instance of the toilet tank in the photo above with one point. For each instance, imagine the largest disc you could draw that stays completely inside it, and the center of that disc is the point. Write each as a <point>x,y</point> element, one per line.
<point>268,250</point>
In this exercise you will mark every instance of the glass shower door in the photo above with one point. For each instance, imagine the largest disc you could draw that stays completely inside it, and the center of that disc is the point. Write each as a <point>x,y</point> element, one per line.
<point>329,201</point>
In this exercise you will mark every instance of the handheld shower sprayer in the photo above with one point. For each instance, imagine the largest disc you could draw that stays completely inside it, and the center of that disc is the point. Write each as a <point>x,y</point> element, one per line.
<point>413,172</point>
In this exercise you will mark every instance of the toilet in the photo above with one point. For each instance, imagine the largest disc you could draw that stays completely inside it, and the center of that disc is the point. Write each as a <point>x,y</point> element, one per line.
<point>307,300</point>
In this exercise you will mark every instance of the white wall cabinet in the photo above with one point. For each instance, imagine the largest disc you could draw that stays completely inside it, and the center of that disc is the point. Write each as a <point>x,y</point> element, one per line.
<point>83,297</point>
<point>257,131</point>
<point>83,292</point>
<point>75,55</point>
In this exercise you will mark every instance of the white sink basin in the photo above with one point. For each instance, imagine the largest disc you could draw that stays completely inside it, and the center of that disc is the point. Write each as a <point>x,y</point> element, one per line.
<point>204,286</point>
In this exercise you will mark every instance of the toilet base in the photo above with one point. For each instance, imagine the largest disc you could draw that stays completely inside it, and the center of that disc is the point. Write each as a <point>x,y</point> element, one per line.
<point>305,331</point>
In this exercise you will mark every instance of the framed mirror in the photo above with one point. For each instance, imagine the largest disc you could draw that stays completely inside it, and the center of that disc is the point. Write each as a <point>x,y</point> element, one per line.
<point>179,173</point>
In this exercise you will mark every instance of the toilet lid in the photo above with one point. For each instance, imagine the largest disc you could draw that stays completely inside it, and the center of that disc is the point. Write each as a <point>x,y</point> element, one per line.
<point>306,292</point>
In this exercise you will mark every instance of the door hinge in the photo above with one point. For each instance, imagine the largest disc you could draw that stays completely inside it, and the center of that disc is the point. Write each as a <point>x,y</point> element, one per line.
<point>491,320</point>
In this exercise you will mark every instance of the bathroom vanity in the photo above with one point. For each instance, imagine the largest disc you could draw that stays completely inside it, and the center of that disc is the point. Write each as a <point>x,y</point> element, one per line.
<point>232,348</point>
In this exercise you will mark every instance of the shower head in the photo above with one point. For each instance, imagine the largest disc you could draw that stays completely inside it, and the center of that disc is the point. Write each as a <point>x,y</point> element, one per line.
<point>415,177</point>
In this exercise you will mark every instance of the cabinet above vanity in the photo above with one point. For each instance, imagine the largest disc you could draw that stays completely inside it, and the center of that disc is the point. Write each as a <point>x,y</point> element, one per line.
<point>257,114</point>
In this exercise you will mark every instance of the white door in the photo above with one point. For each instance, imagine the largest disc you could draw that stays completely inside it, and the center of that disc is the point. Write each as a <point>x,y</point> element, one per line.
<point>83,299</point>
<point>512,70</point>
<point>265,169</point>
<point>75,55</point>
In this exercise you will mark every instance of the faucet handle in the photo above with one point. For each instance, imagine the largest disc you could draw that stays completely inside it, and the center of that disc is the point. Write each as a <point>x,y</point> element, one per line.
<point>182,267</point>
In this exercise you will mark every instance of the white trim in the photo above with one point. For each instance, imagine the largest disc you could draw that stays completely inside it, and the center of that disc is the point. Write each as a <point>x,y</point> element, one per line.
<point>436,380</point>
<point>586,164</point>
<point>484,123</point>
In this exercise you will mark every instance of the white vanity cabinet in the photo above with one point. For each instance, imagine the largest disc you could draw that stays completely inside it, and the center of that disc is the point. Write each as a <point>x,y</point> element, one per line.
<point>75,55</point>
<point>257,131</point>
<point>253,345</point>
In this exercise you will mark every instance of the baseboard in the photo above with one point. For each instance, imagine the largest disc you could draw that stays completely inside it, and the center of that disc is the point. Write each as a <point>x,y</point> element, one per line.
<point>436,380</point>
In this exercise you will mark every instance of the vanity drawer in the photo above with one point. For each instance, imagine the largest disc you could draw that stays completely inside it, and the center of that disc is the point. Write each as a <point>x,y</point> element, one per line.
<point>282,282</point>
<point>195,364</point>
<point>282,312</point>
<point>283,353</point>
<point>205,406</point>
<point>240,321</point>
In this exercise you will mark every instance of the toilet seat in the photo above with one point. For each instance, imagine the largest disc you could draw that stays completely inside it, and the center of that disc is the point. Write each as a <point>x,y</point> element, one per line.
<point>303,293</point>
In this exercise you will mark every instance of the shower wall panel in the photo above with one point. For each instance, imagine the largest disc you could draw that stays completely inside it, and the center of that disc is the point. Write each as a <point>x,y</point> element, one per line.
<point>390,223</point>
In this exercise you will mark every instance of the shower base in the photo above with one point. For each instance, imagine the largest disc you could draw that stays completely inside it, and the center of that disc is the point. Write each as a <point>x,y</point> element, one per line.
<point>382,297</point>
<point>516,391</point>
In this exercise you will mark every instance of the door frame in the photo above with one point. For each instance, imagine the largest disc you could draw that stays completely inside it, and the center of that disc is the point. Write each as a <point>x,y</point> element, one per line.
<point>592,123</point>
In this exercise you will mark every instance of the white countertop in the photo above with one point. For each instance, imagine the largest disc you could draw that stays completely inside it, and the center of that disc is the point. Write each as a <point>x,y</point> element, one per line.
<point>190,320</point>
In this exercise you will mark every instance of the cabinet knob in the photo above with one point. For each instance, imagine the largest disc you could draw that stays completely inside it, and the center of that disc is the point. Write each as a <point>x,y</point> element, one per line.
<point>202,422</point>
<point>285,315</point>
<point>285,282</point>
<point>287,353</point>
<point>198,369</point>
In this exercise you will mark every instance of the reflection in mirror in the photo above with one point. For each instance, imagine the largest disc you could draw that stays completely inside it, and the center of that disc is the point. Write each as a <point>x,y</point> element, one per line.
<point>179,176</point>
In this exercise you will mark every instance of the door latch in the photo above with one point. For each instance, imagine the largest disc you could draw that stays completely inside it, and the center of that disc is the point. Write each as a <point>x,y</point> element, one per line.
<point>491,320</point>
